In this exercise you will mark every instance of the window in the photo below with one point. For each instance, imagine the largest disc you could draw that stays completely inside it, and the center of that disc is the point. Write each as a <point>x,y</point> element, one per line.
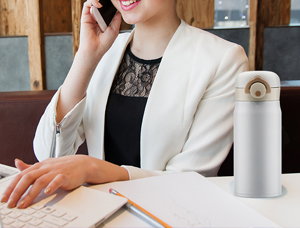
<point>231,13</point>
<point>295,12</point>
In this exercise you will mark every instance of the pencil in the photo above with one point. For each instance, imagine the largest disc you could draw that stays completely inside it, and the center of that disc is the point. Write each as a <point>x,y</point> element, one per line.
<point>141,211</point>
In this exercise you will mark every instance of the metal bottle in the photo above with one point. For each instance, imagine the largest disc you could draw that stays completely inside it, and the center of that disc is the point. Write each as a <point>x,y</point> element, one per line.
<point>257,135</point>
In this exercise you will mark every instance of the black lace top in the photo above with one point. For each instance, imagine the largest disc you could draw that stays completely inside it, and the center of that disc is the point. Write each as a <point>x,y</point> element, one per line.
<point>125,109</point>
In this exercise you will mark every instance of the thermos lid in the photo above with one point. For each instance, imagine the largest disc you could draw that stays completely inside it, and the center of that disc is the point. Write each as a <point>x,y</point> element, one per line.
<point>270,77</point>
<point>257,86</point>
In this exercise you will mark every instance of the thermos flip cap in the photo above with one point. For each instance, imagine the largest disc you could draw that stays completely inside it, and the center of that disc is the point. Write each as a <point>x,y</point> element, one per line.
<point>257,86</point>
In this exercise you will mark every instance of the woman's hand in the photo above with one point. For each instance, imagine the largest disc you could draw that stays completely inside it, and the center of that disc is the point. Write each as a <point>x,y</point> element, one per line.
<point>66,173</point>
<point>92,39</point>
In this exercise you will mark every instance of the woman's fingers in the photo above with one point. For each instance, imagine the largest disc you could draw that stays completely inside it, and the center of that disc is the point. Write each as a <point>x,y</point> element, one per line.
<point>7,193</point>
<point>108,37</point>
<point>49,175</point>
<point>93,41</point>
<point>116,22</point>
<point>59,181</point>
<point>96,3</point>
<point>32,171</point>
<point>88,4</point>
<point>21,165</point>
<point>40,184</point>
<point>16,190</point>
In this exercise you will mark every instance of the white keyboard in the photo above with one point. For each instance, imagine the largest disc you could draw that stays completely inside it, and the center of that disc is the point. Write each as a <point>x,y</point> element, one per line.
<point>35,216</point>
<point>4,171</point>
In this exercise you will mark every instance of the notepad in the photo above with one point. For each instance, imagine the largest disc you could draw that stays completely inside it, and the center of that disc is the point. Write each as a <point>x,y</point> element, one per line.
<point>187,200</point>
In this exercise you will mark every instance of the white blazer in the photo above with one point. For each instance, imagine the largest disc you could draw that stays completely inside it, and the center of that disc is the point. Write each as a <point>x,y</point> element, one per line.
<point>188,119</point>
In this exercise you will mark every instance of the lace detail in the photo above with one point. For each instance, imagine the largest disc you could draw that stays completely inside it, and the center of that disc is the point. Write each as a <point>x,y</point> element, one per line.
<point>135,76</point>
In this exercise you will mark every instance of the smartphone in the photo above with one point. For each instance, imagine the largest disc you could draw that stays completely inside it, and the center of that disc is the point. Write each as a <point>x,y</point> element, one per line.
<point>104,15</point>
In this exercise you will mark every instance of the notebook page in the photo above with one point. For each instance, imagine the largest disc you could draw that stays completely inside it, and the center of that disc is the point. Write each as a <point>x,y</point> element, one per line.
<point>187,200</point>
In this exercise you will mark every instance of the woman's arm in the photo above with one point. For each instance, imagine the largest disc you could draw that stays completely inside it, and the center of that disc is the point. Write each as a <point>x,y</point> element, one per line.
<point>93,45</point>
<point>72,171</point>
<point>69,101</point>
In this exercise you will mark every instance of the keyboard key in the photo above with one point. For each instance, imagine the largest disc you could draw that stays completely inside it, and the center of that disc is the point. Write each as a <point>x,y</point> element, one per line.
<point>35,222</point>
<point>39,214</point>
<point>54,220</point>
<point>35,216</point>
<point>48,210</point>
<point>24,218</point>
<point>15,214</point>
<point>7,221</point>
<point>18,224</point>
<point>47,225</point>
<point>5,211</point>
<point>69,217</point>
<point>58,213</point>
<point>28,211</point>
<point>37,206</point>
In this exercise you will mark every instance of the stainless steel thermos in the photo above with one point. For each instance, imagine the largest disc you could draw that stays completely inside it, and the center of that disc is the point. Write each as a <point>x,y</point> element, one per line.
<point>257,135</point>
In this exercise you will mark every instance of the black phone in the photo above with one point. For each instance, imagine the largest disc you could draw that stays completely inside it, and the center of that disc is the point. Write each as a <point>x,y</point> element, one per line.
<point>105,14</point>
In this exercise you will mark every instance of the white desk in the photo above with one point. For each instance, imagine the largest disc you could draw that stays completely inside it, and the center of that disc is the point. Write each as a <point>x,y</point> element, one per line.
<point>283,210</point>
<point>186,198</point>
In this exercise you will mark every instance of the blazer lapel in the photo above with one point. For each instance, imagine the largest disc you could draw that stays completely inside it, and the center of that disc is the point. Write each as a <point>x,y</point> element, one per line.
<point>98,95</point>
<point>163,123</point>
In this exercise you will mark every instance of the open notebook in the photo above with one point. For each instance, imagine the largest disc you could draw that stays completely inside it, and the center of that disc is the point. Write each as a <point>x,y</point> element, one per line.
<point>82,207</point>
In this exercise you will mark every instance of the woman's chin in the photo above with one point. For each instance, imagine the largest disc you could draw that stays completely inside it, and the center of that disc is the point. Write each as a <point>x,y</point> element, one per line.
<point>130,20</point>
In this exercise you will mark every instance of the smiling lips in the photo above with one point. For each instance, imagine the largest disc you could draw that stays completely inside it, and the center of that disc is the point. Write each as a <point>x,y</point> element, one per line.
<point>129,4</point>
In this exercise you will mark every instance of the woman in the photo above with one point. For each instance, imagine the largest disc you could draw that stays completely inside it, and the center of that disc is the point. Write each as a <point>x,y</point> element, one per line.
<point>162,105</point>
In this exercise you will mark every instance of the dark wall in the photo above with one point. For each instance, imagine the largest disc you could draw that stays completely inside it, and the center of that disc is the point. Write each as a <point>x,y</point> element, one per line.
<point>239,36</point>
<point>282,52</point>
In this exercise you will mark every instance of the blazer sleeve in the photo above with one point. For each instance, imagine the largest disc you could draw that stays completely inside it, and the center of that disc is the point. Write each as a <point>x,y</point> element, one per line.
<point>211,134</point>
<point>59,139</point>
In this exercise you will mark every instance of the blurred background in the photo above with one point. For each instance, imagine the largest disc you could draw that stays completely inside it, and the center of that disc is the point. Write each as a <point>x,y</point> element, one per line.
<point>38,38</point>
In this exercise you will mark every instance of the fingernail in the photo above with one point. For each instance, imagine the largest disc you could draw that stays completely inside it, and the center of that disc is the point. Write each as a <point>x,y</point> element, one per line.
<point>3,200</point>
<point>47,190</point>
<point>16,160</point>
<point>21,204</point>
<point>11,203</point>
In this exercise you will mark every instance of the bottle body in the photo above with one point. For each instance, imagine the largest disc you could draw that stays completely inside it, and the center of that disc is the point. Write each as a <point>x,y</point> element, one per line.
<point>257,149</point>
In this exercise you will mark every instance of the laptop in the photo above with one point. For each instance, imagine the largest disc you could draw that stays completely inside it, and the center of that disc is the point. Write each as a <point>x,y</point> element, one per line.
<point>82,207</point>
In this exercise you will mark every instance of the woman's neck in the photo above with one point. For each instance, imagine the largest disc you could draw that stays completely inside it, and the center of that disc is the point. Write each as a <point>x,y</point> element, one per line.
<point>151,39</point>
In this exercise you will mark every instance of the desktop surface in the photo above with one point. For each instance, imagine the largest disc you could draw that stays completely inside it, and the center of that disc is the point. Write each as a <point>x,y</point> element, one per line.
<point>188,195</point>
<point>209,199</point>
<point>283,210</point>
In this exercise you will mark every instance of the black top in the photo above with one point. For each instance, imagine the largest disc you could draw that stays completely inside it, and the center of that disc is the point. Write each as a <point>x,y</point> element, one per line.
<point>125,109</point>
